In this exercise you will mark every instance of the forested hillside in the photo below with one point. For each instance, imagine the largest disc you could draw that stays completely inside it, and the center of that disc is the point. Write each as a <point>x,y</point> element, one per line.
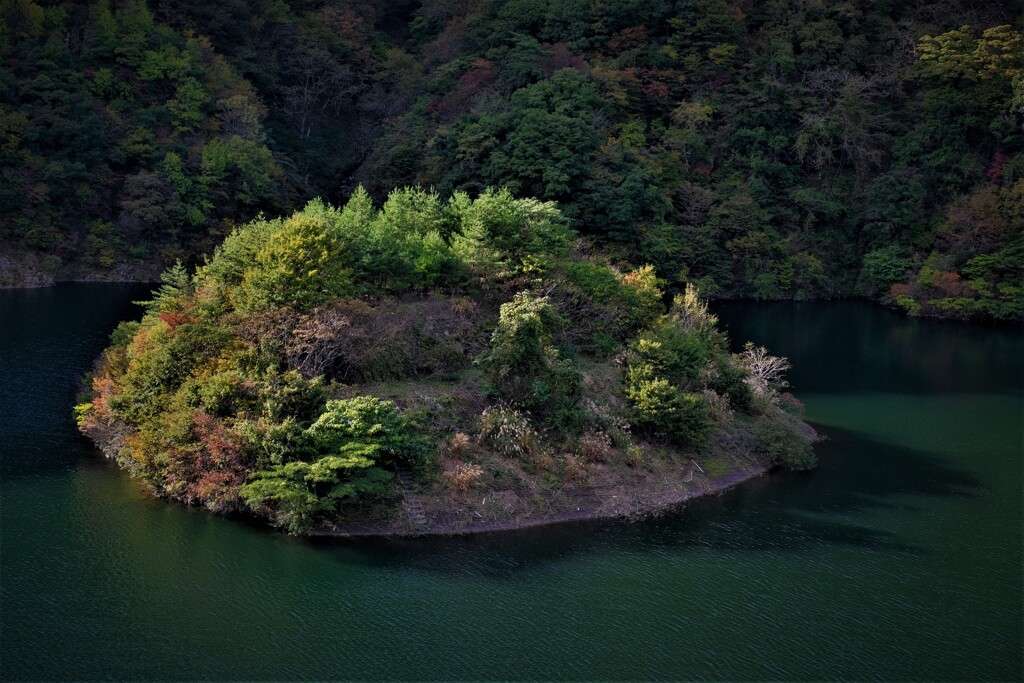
<point>759,149</point>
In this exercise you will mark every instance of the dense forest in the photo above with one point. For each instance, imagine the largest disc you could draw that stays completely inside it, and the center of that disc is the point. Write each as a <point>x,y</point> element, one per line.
<point>755,149</point>
<point>476,344</point>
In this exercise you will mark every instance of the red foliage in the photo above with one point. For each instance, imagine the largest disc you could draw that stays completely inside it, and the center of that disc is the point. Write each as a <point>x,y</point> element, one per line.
<point>559,57</point>
<point>353,29</point>
<point>975,223</point>
<point>735,11</point>
<point>220,445</point>
<point>104,388</point>
<point>480,77</point>
<point>138,345</point>
<point>652,83</point>
<point>656,90</point>
<point>995,171</point>
<point>218,486</point>
<point>949,284</point>
<point>175,318</point>
<point>211,471</point>
<point>901,289</point>
<point>627,38</point>
<point>447,45</point>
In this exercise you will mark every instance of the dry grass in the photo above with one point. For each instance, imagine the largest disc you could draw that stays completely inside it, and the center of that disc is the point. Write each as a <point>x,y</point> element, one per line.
<point>575,469</point>
<point>508,432</point>
<point>462,476</point>
<point>595,447</point>
<point>456,447</point>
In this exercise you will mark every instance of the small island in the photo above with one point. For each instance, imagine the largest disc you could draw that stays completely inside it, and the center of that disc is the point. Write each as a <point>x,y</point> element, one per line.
<point>432,366</point>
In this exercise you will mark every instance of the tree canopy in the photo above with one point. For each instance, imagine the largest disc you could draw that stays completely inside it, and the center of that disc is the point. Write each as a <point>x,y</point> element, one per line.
<point>760,149</point>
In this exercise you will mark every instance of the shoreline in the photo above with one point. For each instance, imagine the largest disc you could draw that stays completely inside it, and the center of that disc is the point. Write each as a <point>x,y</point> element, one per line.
<point>458,516</point>
<point>21,270</point>
<point>660,504</point>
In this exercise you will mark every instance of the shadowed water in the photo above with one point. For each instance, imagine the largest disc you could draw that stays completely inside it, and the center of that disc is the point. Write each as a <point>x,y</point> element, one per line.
<point>900,557</point>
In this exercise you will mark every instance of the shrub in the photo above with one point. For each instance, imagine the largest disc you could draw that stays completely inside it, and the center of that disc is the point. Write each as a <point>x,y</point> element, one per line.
<point>654,401</point>
<point>695,421</point>
<point>634,455</point>
<point>159,361</point>
<point>781,444</point>
<point>293,494</point>
<point>225,392</point>
<point>663,410</point>
<point>766,372</point>
<point>282,492</point>
<point>501,235</point>
<point>642,294</point>
<point>524,366</point>
<point>289,394</point>
<point>673,352</point>
<point>518,345</point>
<point>355,342</point>
<point>729,379</point>
<point>363,420</point>
<point>455,447</point>
<point>883,267</point>
<point>604,307</point>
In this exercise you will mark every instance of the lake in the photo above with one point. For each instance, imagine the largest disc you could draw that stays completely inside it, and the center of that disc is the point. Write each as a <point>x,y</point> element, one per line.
<point>899,557</point>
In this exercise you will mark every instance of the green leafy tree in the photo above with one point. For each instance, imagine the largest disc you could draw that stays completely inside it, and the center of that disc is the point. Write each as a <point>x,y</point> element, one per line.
<point>523,364</point>
<point>300,265</point>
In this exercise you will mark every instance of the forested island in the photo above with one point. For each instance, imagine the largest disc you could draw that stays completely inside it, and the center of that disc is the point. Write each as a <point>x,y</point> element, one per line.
<point>765,150</point>
<point>432,366</point>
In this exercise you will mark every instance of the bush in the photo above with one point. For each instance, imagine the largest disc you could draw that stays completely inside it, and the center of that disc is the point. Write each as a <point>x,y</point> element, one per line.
<point>781,444</point>
<point>642,294</point>
<point>500,235</point>
<point>674,353</point>
<point>654,401</point>
<point>695,421</point>
<point>523,365</point>
<point>363,420</point>
<point>730,380</point>
<point>663,410</point>
<point>883,267</point>
<point>225,393</point>
<point>295,493</point>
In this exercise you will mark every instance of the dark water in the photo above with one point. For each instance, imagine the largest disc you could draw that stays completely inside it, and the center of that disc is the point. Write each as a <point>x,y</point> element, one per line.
<point>900,557</point>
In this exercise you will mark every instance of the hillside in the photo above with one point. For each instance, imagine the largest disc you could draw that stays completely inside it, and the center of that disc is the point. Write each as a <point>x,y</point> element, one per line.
<point>764,150</point>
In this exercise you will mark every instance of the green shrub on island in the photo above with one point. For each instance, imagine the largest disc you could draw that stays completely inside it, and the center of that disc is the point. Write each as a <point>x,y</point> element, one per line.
<point>781,442</point>
<point>310,358</point>
<point>525,368</point>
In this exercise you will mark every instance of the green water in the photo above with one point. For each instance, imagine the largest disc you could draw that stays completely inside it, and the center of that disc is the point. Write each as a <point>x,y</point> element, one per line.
<point>900,557</point>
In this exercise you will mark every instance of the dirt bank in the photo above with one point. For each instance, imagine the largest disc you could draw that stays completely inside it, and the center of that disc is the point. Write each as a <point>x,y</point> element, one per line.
<point>592,504</point>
